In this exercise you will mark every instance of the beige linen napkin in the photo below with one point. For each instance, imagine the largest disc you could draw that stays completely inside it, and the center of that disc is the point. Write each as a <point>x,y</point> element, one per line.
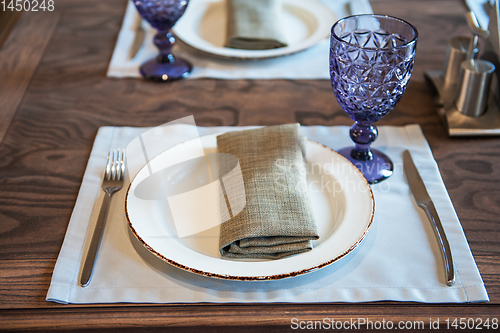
<point>277,220</point>
<point>254,24</point>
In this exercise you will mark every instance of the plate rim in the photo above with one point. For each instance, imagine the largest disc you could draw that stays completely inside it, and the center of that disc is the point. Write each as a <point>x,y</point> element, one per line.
<point>256,277</point>
<point>257,54</point>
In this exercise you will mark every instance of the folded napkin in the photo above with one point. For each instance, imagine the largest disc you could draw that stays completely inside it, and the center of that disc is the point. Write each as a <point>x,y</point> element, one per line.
<point>399,259</point>
<point>254,24</point>
<point>481,9</point>
<point>278,219</point>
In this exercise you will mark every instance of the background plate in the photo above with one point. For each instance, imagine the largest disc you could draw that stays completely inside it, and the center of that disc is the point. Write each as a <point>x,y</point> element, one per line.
<point>203,27</point>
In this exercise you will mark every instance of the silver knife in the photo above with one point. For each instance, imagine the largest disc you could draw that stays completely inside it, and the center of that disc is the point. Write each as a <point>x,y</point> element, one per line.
<point>139,34</point>
<point>424,201</point>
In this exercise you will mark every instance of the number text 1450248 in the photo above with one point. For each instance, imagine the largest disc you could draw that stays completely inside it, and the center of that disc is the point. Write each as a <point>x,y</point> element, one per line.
<point>27,5</point>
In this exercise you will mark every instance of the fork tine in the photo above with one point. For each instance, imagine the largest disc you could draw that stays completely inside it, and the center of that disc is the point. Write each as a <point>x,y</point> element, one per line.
<point>113,168</point>
<point>107,172</point>
<point>123,165</point>
<point>119,162</point>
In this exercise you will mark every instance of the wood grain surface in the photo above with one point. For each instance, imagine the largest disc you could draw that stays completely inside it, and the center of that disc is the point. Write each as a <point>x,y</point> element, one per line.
<point>33,32</point>
<point>7,21</point>
<point>63,97</point>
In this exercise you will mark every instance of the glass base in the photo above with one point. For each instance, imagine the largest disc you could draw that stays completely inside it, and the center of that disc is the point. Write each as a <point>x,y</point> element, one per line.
<point>377,169</point>
<point>165,71</point>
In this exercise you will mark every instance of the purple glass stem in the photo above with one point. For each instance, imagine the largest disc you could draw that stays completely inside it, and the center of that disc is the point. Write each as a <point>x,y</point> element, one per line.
<point>363,136</point>
<point>165,67</point>
<point>164,41</point>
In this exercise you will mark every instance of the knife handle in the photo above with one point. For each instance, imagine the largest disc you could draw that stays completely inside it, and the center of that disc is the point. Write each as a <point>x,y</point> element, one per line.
<point>431,212</point>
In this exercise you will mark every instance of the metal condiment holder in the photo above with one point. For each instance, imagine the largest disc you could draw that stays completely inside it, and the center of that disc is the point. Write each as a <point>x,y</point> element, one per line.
<point>466,92</point>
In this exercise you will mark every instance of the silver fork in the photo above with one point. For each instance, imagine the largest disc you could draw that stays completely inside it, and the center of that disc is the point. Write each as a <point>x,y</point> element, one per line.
<point>111,183</point>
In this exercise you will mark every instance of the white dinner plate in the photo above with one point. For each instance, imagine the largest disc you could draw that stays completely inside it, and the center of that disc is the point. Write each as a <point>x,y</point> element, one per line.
<point>342,202</point>
<point>203,27</point>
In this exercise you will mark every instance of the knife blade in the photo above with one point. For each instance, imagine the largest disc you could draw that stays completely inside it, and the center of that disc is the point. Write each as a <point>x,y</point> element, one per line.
<point>424,201</point>
<point>139,35</point>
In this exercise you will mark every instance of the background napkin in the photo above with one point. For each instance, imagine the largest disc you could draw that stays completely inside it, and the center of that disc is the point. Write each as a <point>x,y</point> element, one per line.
<point>481,9</point>
<point>276,221</point>
<point>254,24</point>
<point>312,63</point>
<point>398,260</point>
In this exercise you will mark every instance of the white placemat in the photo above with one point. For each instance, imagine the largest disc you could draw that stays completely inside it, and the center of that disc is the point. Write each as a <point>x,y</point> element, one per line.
<point>399,259</point>
<point>309,64</point>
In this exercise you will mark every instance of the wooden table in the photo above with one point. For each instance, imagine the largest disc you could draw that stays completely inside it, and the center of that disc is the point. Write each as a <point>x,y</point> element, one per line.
<point>54,95</point>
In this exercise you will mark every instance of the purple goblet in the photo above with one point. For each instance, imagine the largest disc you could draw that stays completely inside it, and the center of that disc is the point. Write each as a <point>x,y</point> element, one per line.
<point>371,60</point>
<point>162,15</point>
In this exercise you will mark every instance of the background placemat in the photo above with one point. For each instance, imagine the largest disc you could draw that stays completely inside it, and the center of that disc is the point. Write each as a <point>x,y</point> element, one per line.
<point>309,64</point>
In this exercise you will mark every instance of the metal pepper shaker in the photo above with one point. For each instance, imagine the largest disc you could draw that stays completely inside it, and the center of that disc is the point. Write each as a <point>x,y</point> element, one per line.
<point>475,76</point>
